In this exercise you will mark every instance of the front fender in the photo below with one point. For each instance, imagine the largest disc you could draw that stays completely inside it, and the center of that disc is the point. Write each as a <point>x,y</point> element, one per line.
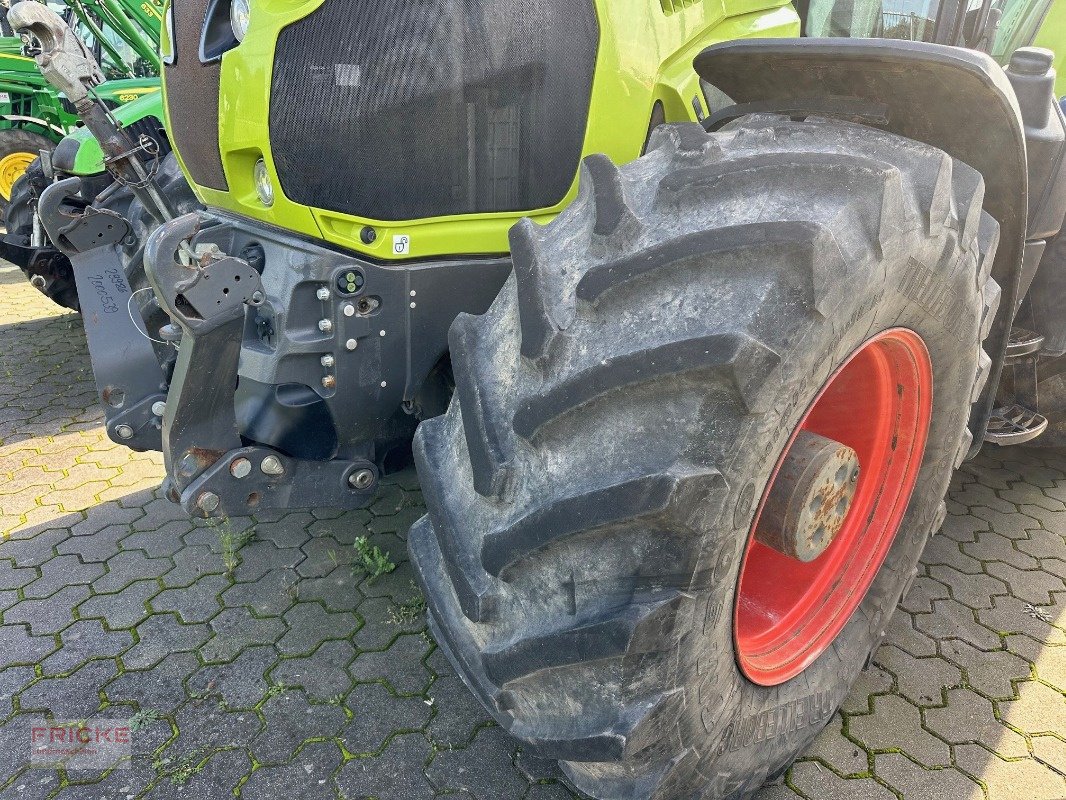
<point>957,100</point>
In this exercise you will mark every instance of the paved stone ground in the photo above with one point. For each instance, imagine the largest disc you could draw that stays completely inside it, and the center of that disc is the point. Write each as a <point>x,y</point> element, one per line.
<point>293,675</point>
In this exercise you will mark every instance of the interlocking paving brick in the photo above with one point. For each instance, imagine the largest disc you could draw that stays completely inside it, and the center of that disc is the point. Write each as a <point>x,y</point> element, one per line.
<point>377,715</point>
<point>19,646</point>
<point>975,591</point>
<point>1010,780</point>
<point>289,719</point>
<point>1038,709</point>
<point>394,775</point>
<point>323,674</point>
<point>310,625</point>
<point>50,614</point>
<point>196,603</point>
<point>917,783</point>
<point>60,572</point>
<point>306,778</point>
<point>235,629</point>
<point>952,620</point>
<point>485,768</point>
<point>920,680</point>
<point>123,609</point>
<point>127,567</point>
<point>842,754</point>
<point>400,666</point>
<point>1051,752</point>
<point>74,697</point>
<point>12,680</point>
<point>160,635</point>
<point>337,591</point>
<point>969,718</point>
<point>1014,615</point>
<point>270,596</point>
<point>458,715</point>
<point>816,780</point>
<point>989,673</point>
<point>239,682</point>
<point>1030,585</point>
<point>897,725</point>
<point>84,640</point>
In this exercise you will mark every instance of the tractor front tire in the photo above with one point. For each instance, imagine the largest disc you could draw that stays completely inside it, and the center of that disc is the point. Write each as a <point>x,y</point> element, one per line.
<point>588,555</point>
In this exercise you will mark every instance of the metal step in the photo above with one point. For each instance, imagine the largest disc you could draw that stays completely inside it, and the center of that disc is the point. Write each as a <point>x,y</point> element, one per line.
<point>1022,344</point>
<point>1014,425</point>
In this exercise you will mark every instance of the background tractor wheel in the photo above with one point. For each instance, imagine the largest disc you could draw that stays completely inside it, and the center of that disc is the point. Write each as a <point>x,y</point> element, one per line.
<point>51,273</point>
<point>745,336</point>
<point>18,149</point>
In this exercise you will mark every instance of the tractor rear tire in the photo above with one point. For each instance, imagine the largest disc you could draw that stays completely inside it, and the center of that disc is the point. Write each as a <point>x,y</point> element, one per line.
<point>621,409</point>
<point>18,149</point>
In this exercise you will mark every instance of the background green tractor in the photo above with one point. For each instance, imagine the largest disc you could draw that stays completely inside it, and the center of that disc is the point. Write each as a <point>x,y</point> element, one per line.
<point>131,32</point>
<point>684,426</point>
<point>123,36</point>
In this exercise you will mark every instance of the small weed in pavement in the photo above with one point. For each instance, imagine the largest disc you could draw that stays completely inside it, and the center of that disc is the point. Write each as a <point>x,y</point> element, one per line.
<point>232,541</point>
<point>371,560</point>
<point>409,611</point>
<point>143,718</point>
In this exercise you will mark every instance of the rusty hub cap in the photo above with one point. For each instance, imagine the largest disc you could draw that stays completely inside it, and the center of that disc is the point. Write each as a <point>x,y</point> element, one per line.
<point>810,498</point>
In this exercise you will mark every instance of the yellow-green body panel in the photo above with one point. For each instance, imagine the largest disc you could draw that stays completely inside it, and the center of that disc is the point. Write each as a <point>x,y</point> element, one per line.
<point>645,57</point>
<point>1053,36</point>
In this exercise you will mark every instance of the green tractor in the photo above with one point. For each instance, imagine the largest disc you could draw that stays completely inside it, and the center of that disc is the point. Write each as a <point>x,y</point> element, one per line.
<point>683,426</point>
<point>123,36</point>
<point>130,31</point>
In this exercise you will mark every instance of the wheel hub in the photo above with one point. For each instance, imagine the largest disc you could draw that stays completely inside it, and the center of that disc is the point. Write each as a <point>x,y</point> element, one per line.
<point>823,529</point>
<point>811,497</point>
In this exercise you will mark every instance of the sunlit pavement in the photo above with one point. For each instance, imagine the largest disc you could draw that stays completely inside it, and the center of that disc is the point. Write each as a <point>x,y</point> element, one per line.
<point>294,675</point>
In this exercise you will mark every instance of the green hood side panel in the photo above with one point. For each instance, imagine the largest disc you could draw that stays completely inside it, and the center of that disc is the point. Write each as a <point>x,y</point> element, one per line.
<point>90,158</point>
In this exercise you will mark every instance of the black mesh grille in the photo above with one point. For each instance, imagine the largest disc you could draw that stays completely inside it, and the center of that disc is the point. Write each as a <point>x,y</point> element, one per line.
<point>192,94</point>
<point>394,110</point>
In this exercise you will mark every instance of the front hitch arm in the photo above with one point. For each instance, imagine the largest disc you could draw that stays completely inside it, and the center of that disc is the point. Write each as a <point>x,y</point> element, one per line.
<point>206,298</point>
<point>211,471</point>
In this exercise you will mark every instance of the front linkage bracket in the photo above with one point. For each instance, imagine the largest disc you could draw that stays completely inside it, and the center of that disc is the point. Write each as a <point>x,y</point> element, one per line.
<point>257,477</point>
<point>74,228</point>
<point>129,379</point>
<point>211,472</point>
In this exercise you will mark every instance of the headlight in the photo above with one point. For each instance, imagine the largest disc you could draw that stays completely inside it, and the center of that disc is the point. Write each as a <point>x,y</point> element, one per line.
<point>240,15</point>
<point>263,185</point>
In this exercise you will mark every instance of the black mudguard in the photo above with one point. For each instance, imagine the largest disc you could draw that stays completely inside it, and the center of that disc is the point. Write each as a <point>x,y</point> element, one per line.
<point>957,100</point>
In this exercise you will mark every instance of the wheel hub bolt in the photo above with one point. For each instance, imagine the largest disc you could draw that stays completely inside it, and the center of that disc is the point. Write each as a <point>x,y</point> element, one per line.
<point>124,432</point>
<point>240,468</point>
<point>361,479</point>
<point>272,466</point>
<point>810,497</point>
